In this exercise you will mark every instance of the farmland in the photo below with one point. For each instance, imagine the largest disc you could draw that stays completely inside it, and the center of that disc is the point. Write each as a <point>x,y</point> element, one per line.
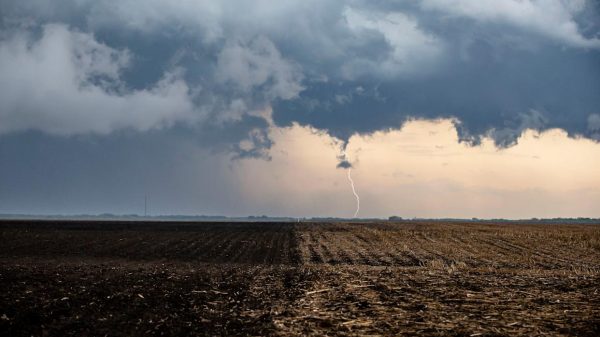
<point>157,278</point>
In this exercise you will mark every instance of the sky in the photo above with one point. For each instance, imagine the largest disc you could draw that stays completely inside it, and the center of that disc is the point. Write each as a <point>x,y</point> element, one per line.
<point>434,108</point>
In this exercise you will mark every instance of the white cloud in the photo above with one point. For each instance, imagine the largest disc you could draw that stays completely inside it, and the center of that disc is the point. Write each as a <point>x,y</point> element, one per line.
<point>551,18</point>
<point>259,64</point>
<point>66,82</point>
<point>151,16</point>
<point>413,50</point>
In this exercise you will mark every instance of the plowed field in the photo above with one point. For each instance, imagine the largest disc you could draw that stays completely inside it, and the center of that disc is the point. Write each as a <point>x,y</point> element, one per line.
<point>62,278</point>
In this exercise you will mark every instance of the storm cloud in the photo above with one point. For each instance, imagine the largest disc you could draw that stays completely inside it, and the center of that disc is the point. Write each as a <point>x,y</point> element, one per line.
<point>222,74</point>
<point>347,67</point>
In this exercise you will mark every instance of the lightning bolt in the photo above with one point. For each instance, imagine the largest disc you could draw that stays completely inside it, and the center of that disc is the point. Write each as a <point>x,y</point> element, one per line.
<point>354,191</point>
<point>348,166</point>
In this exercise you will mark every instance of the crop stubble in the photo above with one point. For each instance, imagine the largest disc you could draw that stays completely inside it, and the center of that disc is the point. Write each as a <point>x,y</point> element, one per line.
<point>462,279</point>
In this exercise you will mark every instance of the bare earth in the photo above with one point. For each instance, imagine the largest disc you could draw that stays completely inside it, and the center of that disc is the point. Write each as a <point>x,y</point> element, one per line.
<point>62,278</point>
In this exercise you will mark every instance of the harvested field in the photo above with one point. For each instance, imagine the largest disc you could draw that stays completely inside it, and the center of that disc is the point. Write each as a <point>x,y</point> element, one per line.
<point>206,242</point>
<point>126,278</point>
<point>473,245</point>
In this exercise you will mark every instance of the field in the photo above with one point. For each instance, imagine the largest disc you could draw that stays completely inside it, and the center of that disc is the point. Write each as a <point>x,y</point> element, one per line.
<point>62,278</point>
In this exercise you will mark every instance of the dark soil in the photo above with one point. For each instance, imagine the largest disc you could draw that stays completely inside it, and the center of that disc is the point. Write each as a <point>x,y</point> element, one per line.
<point>255,279</point>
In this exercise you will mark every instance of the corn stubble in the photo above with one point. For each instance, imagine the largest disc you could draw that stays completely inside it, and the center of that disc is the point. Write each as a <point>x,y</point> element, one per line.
<point>460,279</point>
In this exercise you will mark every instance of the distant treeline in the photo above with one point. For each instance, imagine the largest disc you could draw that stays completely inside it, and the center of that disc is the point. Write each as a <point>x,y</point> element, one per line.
<point>265,218</point>
<point>578,220</point>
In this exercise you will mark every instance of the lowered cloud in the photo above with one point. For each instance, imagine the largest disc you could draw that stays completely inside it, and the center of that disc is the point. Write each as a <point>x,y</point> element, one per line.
<point>594,126</point>
<point>507,136</point>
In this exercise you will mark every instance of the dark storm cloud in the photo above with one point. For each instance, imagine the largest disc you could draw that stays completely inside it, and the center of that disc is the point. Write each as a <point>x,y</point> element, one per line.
<point>344,164</point>
<point>494,79</point>
<point>487,97</point>
<point>345,67</point>
<point>207,71</point>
